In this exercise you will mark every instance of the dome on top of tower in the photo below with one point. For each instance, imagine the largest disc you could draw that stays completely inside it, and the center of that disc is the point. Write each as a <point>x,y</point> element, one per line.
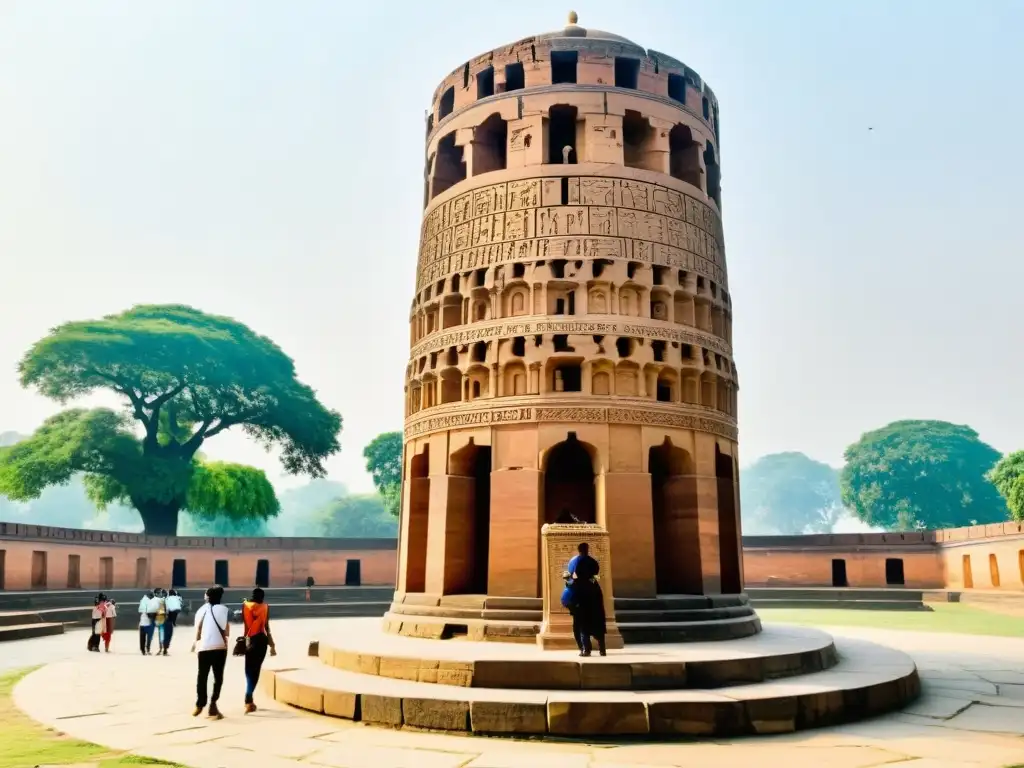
<point>573,29</point>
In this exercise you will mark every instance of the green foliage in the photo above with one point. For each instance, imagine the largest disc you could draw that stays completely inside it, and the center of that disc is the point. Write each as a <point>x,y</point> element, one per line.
<point>1008,478</point>
<point>789,493</point>
<point>384,462</point>
<point>186,376</point>
<point>362,516</point>
<point>230,492</point>
<point>921,474</point>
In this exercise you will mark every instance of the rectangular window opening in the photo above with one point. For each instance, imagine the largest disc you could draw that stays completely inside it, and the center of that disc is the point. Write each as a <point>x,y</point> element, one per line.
<point>220,573</point>
<point>563,66</point>
<point>839,573</point>
<point>627,72</point>
<point>515,77</point>
<point>179,574</point>
<point>677,88</point>
<point>894,572</point>
<point>485,83</point>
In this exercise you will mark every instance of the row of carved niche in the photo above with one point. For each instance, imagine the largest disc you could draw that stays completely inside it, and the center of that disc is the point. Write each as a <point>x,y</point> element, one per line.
<point>663,383</point>
<point>558,301</point>
<point>538,348</point>
<point>506,70</point>
<point>579,271</point>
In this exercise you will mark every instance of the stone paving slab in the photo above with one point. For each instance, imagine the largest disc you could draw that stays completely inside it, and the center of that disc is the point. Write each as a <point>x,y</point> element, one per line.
<point>159,724</point>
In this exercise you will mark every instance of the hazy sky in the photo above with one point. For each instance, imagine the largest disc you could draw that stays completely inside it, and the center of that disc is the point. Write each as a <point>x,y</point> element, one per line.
<point>263,160</point>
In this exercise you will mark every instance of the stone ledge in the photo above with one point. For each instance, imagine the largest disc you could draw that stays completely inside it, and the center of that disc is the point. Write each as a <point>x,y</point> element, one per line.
<point>869,680</point>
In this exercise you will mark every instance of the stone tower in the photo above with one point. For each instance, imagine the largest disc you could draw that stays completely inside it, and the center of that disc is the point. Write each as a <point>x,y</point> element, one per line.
<point>570,335</point>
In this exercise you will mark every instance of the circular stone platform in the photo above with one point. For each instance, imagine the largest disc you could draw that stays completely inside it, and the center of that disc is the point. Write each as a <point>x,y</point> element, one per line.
<point>366,648</point>
<point>515,689</point>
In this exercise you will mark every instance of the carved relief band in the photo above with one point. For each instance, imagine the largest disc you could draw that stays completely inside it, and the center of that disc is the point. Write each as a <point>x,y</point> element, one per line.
<point>686,416</point>
<point>605,218</point>
<point>609,325</point>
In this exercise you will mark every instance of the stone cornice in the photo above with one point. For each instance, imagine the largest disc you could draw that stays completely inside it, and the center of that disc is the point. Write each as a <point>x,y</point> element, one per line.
<point>577,410</point>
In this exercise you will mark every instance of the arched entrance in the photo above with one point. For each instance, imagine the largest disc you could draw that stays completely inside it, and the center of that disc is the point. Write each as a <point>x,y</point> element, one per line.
<point>677,563</point>
<point>728,529</point>
<point>416,522</point>
<point>569,495</point>
<point>468,545</point>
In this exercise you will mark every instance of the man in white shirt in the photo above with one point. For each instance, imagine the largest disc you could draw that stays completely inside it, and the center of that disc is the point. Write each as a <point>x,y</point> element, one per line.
<point>212,632</point>
<point>146,624</point>
<point>172,604</point>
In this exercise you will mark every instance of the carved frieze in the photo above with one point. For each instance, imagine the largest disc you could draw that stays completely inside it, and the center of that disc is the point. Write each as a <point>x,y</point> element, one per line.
<point>605,218</point>
<point>419,424</point>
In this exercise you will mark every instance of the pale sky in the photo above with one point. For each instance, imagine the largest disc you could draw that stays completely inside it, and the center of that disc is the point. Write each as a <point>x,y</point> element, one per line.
<point>264,160</point>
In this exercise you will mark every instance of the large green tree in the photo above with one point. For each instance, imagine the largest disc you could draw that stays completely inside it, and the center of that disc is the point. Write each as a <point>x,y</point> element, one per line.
<point>921,474</point>
<point>358,516</point>
<point>1008,478</point>
<point>789,493</point>
<point>185,376</point>
<point>384,462</point>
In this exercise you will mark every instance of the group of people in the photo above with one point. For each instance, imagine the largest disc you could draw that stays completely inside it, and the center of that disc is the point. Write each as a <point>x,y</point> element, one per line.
<point>213,629</point>
<point>584,600</point>
<point>158,616</point>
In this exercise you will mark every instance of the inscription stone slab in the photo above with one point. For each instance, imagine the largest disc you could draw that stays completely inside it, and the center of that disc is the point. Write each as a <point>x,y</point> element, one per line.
<point>558,547</point>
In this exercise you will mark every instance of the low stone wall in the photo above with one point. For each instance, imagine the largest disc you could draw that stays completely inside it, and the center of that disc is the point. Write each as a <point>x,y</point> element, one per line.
<point>41,557</point>
<point>989,557</point>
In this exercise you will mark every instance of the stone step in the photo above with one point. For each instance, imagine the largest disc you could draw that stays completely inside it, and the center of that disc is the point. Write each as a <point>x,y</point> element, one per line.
<point>833,593</point>
<point>845,605</point>
<point>363,647</point>
<point>79,615</point>
<point>27,631</point>
<point>690,631</point>
<point>869,680</point>
<point>318,610</point>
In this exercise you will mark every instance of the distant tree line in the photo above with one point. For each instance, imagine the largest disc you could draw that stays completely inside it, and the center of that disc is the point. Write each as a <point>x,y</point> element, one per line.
<point>908,475</point>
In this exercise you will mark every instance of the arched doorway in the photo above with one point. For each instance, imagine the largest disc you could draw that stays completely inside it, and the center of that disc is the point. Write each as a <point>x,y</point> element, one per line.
<point>469,541</point>
<point>416,525</point>
<point>569,483</point>
<point>677,563</point>
<point>728,529</point>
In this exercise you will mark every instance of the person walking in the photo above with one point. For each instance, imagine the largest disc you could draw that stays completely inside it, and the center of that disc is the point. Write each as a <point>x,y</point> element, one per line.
<point>108,624</point>
<point>146,623</point>
<point>98,622</point>
<point>256,618</point>
<point>173,604</point>
<point>158,612</point>
<point>211,645</point>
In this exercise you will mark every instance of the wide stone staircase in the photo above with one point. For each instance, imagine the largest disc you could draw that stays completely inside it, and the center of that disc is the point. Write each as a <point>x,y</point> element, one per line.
<point>783,679</point>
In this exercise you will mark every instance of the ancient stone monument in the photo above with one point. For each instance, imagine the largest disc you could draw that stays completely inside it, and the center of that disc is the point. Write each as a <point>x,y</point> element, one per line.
<point>571,379</point>
<point>570,336</point>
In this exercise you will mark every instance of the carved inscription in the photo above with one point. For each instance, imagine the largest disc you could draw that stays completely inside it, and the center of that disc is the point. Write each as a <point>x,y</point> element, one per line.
<point>418,425</point>
<point>605,218</point>
<point>499,330</point>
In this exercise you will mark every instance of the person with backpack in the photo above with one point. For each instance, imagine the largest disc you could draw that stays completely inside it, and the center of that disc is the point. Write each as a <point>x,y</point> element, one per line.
<point>211,647</point>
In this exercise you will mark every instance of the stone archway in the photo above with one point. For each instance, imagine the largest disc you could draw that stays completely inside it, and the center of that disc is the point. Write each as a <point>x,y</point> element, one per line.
<point>728,527</point>
<point>468,545</point>
<point>417,514</point>
<point>569,493</point>
<point>677,558</point>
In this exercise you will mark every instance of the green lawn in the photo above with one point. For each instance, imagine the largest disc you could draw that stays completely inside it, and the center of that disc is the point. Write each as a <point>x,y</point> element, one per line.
<point>941,617</point>
<point>25,743</point>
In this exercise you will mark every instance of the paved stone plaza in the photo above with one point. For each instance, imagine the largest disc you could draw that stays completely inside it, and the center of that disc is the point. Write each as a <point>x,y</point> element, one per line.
<point>971,714</point>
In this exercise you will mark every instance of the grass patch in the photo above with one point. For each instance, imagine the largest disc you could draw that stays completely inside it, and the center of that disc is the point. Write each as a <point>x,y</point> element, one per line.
<point>25,743</point>
<point>943,617</point>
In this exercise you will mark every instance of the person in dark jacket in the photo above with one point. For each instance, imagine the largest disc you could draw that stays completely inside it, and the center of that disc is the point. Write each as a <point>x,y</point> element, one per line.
<point>586,601</point>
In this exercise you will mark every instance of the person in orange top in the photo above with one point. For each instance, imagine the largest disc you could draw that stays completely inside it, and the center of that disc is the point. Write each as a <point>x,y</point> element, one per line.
<point>256,617</point>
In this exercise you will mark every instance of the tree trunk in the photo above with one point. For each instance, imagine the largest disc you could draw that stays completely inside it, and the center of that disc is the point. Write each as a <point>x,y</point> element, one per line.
<point>159,519</point>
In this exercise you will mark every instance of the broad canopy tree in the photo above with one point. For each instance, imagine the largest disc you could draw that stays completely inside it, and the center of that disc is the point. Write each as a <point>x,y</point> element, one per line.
<point>921,474</point>
<point>789,493</point>
<point>1008,478</point>
<point>185,376</point>
<point>384,463</point>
